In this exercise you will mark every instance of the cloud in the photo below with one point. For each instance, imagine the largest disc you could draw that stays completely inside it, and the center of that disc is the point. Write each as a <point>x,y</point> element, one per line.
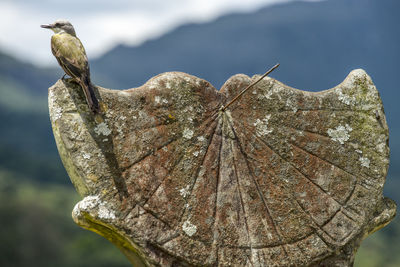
<point>101,24</point>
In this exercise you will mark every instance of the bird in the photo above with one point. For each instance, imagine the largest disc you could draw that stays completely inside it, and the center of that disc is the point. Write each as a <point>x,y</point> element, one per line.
<point>71,55</point>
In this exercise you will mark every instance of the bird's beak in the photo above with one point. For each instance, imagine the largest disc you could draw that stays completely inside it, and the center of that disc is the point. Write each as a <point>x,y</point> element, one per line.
<point>47,26</point>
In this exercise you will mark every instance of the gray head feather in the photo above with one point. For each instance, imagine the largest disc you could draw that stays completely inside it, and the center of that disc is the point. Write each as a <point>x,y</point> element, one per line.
<point>65,25</point>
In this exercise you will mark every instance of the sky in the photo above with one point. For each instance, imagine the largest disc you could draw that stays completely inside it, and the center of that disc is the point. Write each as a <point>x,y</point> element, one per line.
<point>102,24</point>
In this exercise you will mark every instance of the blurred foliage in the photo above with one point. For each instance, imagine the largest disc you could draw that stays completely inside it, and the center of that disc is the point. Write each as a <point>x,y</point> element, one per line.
<point>36,228</point>
<point>381,248</point>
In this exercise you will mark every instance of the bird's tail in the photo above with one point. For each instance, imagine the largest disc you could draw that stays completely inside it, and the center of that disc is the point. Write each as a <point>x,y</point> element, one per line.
<point>90,95</point>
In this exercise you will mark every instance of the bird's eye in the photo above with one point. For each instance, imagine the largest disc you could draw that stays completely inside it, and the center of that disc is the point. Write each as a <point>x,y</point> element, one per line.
<point>57,24</point>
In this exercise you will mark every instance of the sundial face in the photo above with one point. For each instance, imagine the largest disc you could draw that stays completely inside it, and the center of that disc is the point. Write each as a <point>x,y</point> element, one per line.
<point>282,176</point>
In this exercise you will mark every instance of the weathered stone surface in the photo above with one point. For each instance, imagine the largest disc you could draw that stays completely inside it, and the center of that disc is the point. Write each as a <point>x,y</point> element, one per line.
<point>282,177</point>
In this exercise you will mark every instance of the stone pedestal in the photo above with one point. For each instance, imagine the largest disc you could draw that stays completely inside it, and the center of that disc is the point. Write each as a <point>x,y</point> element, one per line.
<point>281,177</point>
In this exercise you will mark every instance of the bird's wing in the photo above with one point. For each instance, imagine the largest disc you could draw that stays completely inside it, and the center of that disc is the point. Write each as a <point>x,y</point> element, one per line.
<point>70,54</point>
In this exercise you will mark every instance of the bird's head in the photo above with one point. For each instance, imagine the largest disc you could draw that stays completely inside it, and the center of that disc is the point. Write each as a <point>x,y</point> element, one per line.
<point>60,25</point>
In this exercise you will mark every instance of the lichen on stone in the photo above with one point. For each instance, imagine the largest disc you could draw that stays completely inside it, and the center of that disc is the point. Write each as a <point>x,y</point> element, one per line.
<point>102,128</point>
<point>364,162</point>
<point>340,134</point>
<point>185,191</point>
<point>56,114</point>
<point>187,133</point>
<point>262,126</point>
<point>346,99</point>
<point>189,228</point>
<point>290,104</point>
<point>105,213</point>
<point>86,204</point>
<point>94,206</point>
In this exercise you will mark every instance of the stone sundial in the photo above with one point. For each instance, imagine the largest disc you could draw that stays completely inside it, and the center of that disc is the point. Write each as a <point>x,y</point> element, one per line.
<point>282,177</point>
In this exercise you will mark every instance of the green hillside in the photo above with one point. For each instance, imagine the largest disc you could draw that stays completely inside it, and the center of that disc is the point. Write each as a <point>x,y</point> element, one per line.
<point>37,229</point>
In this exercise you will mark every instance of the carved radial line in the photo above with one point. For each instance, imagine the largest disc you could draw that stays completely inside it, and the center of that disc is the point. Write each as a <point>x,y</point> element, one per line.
<point>149,211</point>
<point>336,212</point>
<point>311,217</point>
<point>240,193</point>
<point>169,239</point>
<point>357,182</point>
<point>327,161</point>
<point>217,256</point>
<point>333,240</point>
<point>345,210</point>
<point>305,176</point>
<point>311,132</point>
<point>321,109</point>
<point>258,189</point>
<point>353,213</point>
<point>370,150</point>
<point>211,118</point>
<point>165,144</point>
<point>316,224</point>
<point>263,256</point>
<point>337,201</point>
<point>258,256</point>
<point>172,169</point>
<point>301,250</point>
<point>169,171</point>
<point>321,255</point>
<point>320,227</point>
<point>162,181</point>
<point>149,127</point>
<point>216,198</point>
<point>168,252</point>
<point>271,246</point>
<point>248,258</point>
<point>149,153</point>
<point>306,212</point>
<point>197,171</point>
